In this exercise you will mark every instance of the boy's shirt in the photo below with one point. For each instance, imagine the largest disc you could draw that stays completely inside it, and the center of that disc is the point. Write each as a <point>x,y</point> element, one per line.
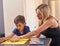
<point>26,30</point>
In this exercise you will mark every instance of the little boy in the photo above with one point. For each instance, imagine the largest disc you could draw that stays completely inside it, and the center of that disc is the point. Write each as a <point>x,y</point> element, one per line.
<point>20,29</point>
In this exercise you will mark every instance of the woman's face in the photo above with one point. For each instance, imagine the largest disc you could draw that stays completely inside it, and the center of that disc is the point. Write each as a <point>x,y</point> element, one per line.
<point>39,14</point>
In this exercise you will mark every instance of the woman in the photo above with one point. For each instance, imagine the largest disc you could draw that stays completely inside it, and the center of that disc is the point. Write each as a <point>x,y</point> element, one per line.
<point>49,26</point>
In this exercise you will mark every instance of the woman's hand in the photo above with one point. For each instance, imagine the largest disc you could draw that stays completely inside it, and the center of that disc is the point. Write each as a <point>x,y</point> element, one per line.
<point>15,38</point>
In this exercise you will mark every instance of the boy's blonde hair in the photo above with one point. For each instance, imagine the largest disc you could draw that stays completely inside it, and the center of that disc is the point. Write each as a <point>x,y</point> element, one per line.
<point>44,8</point>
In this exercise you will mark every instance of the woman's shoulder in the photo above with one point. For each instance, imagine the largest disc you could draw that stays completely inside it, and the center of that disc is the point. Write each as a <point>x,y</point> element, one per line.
<point>52,19</point>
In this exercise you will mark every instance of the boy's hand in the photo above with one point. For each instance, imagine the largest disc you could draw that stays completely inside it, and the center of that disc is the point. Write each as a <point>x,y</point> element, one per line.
<point>2,39</point>
<point>7,38</point>
<point>15,38</point>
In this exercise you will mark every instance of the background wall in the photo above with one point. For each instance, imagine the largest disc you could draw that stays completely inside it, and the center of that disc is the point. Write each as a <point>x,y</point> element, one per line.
<point>30,13</point>
<point>12,8</point>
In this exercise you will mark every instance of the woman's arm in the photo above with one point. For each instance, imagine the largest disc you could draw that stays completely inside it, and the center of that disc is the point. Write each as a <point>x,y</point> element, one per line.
<point>48,23</point>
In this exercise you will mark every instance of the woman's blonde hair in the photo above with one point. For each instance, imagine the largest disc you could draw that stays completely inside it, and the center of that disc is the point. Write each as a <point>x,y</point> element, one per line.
<point>44,8</point>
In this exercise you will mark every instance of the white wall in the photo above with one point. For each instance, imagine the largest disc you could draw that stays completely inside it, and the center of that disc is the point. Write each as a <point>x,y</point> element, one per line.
<point>59,11</point>
<point>30,14</point>
<point>12,8</point>
<point>30,17</point>
<point>53,8</point>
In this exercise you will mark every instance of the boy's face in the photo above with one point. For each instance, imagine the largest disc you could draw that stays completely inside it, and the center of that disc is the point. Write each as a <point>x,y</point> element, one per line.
<point>20,26</point>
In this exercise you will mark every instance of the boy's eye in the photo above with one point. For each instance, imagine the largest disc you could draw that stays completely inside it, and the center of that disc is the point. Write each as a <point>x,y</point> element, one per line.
<point>19,25</point>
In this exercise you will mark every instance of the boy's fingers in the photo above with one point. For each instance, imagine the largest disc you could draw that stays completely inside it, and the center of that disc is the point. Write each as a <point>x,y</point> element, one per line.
<point>13,40</point>
<point>2,40</point>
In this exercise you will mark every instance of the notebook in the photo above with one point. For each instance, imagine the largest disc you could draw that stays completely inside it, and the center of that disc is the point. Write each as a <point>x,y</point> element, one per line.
<point>21,41</point>
<point>37,41</point>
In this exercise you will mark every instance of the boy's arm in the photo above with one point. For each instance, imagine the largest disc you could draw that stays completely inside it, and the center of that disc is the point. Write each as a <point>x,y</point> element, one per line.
<point>9,36</point>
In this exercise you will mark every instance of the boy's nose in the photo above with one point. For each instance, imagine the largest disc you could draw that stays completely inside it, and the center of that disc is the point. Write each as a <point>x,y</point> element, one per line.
<point>18,27</point>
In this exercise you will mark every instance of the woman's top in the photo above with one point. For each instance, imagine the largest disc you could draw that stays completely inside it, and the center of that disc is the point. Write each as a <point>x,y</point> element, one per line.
<point>52,32</point>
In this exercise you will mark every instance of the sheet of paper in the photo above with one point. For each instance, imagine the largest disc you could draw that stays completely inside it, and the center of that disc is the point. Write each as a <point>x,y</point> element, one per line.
<point>21,41</point>
<point>37,41</point>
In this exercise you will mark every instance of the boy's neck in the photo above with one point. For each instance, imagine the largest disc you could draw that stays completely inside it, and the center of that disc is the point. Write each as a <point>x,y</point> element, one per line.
<point>21,31</point>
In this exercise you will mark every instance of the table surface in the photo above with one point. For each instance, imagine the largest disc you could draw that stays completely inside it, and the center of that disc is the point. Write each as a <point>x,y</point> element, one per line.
<point>47,42</point>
